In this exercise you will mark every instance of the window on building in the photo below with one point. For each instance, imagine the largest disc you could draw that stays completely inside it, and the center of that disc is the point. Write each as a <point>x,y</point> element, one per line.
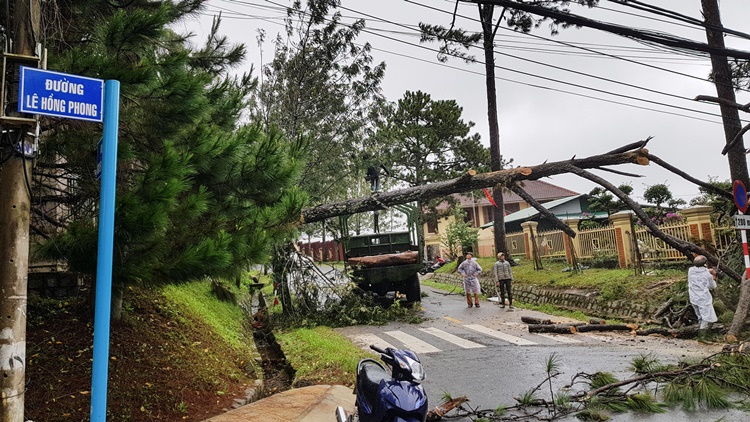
<point>470,217</point>
<point>511,208</point>
<point>488,214</point>
<point>432,226</point>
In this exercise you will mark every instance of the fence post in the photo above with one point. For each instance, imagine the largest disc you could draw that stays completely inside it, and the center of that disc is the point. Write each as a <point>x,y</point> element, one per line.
<point>528,227</point>
<point>621,223</point>
<point>572,244</point>
<point>699,222</point>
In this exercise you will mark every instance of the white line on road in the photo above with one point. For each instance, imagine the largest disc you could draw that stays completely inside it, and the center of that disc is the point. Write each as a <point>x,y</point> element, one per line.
<point>499,335</point>
<point>458,341</point>
<point>365,340</point>
<point>412,343</point>
<point>559,337</point>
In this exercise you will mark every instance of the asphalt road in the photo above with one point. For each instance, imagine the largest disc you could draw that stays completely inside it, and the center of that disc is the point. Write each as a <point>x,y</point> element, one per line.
<point>488,355</point>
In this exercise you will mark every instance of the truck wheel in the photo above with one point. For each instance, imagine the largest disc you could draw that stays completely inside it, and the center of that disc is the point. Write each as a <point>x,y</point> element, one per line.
<point>413,291</point>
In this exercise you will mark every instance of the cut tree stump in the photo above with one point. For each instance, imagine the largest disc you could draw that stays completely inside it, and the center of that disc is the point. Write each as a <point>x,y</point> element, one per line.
<point>551,328</point>
<point>532,320</point>
<point>597,321</point>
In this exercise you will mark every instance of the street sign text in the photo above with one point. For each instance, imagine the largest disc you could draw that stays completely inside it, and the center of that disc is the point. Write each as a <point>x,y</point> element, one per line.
<point>60,94</point>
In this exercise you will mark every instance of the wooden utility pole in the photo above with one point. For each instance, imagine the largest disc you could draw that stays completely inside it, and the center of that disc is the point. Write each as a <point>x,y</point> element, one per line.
<point>15,180</point>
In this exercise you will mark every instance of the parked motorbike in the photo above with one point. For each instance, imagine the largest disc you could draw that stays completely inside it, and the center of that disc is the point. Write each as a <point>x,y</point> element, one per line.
<point>380,397</point>
<point>431,266</point>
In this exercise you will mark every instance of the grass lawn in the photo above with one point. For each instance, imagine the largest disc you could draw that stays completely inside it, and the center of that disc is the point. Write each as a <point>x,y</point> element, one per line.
<point>613,284</point>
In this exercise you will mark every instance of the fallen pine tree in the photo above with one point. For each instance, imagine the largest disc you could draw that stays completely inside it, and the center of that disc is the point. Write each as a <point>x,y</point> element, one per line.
<point>653,387</point>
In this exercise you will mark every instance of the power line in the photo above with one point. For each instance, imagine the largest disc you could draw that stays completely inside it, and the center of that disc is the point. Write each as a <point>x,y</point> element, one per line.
<point>536,76</point>
<point>687,75</point>
<point>571,71</point>
<point>678,16</point>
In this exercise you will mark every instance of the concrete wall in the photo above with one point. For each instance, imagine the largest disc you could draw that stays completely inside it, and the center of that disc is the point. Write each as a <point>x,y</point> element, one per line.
<point>589,303</point>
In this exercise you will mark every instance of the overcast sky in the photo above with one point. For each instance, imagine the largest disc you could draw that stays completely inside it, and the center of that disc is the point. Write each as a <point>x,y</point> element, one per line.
<point>547,113</point>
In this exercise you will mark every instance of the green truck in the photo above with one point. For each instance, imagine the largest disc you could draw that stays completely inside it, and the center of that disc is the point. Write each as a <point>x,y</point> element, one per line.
<point>385,275</point>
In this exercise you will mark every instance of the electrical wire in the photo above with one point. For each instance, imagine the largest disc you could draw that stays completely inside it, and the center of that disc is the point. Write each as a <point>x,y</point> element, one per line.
<point>533,75</point>
<point>567,70</point>
<point>678,16</point>
<point>574,46</point>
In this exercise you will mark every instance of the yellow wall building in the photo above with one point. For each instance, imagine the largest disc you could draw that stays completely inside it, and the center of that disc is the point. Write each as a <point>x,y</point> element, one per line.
<point>479,211</point>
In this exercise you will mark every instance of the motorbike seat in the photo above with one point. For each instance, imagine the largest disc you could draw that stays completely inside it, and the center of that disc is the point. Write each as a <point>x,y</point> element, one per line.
<point>370,374</point>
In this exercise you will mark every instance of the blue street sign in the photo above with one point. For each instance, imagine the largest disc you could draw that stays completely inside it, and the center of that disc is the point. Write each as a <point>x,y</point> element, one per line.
<point>740,195</point>
<point>60,94</point>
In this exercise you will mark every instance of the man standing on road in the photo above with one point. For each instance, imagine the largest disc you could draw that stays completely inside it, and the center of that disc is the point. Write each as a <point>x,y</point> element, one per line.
<point>503,278</point>
<point>700,282</point>
<point>470,269</point>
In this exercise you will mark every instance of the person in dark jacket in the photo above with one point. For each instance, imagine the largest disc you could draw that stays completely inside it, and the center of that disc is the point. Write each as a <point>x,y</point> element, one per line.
<point>503,278</point>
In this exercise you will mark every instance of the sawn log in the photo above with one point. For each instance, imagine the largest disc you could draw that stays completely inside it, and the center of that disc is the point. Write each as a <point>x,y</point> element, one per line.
<point>532,320</point>
<point>604,327</point>
<point>551,328</point>
<point>385,260</point>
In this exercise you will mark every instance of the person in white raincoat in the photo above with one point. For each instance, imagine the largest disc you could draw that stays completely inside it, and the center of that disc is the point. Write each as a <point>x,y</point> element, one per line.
<point>700,283</point>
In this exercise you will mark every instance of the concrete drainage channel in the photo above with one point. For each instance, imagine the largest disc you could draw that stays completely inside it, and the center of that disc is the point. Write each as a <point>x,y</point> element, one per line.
<point>278,373</point>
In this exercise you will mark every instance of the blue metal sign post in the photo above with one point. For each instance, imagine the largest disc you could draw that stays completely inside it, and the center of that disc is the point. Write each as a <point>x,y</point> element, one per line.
<point>60,94</point>
<point>104,254</point>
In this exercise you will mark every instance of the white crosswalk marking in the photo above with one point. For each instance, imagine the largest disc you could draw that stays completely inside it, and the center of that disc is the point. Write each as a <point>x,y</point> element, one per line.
<point>499,335</point>
<point>458,341</point>
<point>365,340</point>
<point>559,337</point>
<point>412,343</point>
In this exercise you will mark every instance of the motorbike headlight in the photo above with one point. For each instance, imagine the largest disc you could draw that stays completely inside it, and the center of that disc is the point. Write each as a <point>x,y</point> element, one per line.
<point>417,371</point>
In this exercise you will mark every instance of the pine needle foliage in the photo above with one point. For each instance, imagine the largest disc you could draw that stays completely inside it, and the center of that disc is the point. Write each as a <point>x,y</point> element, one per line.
<point>527,398</point>
<point>600,379</point>
<point>199,193</point>
<point>692,394</point>
<point>647,364</point>
<point>644,403</point>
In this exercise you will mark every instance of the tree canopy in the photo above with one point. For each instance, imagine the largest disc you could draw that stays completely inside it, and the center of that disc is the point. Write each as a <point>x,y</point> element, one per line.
<point>198,193</point>
<point>426,140</point>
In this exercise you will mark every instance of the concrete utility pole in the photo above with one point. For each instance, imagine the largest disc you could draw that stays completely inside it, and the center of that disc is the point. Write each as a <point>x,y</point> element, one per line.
<point>14,232</point>
<point>732,126</point>
<point>722,75</point>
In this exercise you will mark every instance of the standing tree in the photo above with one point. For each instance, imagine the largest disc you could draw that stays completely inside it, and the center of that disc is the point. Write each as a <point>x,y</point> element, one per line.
<point>198,194</point>
<point>600,200</point>
<point>455,41</point>
<point>664,202</point>
<point>426,141</point>
<point>321,86</point>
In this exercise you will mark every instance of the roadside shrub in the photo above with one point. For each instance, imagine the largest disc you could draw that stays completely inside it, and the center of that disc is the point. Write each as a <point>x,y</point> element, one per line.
<point>602,260</point>
<point>612,291</point>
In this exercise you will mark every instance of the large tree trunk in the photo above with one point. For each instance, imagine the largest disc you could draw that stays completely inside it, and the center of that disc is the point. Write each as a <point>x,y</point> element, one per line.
<point>730,116</point>
<point>485,14</point>
<point>466,183</point>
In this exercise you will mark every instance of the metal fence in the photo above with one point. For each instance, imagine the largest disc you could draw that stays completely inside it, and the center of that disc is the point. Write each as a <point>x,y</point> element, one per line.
<point>724,237</point>
<point>597,241</point>
<point>550,243</point>
<point>516,243</point>
<point>654,249</point>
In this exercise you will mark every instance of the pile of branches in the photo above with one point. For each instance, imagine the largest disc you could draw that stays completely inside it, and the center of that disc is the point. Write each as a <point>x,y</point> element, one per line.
<point>653,388</point>
<point>685,327</point>
<point>676,318</point>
